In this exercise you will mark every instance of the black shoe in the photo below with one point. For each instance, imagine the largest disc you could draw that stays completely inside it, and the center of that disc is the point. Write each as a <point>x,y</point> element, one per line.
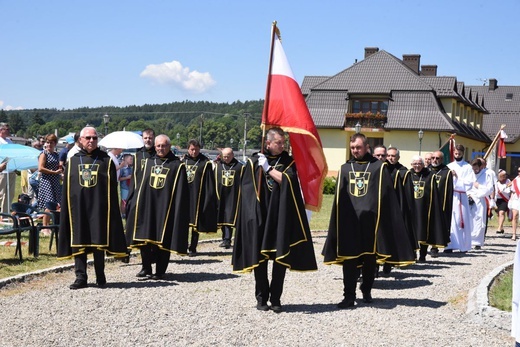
<point>387,268</point>
<point>367,298</point>
<point>126,259</point>
<point>157,277</point>
<point>276,308</point>
<point>262,307</point>
<point>448,251</point>
<point>222,244</point>
<point>500,231</point>
<point>422,260</point>
<point>227,244</point>
<point>478,248</point>
<point>192,253</point>
<point>346,303</point>
<point>434,253</point>
<point>101,282</point>
<point>144,273</point>
<point>78,284</point>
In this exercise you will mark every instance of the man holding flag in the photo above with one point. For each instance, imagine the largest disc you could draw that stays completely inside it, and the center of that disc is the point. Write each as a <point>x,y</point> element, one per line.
<point>274,225</point>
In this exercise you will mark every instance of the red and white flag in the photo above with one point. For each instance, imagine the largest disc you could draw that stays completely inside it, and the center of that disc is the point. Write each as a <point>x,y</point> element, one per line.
<point>285,107</point>
<point>497,150</point>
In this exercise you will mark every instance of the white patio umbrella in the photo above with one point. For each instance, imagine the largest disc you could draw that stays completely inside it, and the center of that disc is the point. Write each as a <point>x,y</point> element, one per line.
<point>122,139</point>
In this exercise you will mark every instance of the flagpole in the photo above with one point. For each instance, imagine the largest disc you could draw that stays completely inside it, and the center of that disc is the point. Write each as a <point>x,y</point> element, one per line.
<point>274,31</point>
<point>444,144</point>
<point>488,152</point>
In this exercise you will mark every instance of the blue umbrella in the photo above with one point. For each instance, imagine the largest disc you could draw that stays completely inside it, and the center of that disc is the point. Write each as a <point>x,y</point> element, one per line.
<point>19,157</point>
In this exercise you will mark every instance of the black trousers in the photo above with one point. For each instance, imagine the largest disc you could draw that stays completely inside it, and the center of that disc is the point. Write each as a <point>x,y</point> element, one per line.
<point>227,232</point>
<point>153,254</point>
<point>351,275</point>
<point>194,240</point>
<point>264,291</point>
<point>80,265</point>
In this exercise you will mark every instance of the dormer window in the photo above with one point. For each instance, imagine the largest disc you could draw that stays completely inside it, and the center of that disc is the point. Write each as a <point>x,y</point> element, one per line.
<point>373,106</point>
<point>509,96</point>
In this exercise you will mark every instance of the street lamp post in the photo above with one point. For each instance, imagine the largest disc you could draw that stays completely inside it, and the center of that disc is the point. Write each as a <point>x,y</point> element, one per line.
<point>201,125</point>
<point>231,141</point>
<point>421,135</point>
<point>178,136</point>
<point>245,136</point>
<point>106,119</point>
<point>357,127</point>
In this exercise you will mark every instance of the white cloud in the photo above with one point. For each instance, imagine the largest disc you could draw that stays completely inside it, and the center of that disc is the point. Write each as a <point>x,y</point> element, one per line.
<point>174,74</point>
<point>8,107</point>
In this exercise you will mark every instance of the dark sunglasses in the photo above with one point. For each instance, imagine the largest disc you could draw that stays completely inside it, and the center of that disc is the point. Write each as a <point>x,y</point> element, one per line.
<point>94,138</point>
<point>436,157</point>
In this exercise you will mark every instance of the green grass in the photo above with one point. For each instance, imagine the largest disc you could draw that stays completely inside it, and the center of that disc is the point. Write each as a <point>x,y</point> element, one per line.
<point>501,291</point>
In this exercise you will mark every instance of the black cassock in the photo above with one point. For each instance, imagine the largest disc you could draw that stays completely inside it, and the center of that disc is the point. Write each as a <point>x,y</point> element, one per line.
<point>444,179</point>
<point>161,208</point>
<point>90,218</point>
<point>365,216</point>
<point>272,225</point>
<point>228,188</point>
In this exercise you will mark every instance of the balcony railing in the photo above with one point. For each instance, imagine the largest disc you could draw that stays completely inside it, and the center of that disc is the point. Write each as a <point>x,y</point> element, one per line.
<point>366,120</point>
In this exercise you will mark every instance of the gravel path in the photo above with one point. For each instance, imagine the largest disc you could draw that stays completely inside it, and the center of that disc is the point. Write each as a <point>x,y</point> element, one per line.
<point>201,303</point>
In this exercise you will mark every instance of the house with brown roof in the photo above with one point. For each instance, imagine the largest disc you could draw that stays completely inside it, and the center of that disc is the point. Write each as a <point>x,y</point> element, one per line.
<point>503,105</point>
<point>392,101</point>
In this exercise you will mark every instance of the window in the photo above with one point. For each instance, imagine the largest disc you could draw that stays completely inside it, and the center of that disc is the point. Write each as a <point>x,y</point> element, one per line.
<point>509,96</point>
<point>373,106</point>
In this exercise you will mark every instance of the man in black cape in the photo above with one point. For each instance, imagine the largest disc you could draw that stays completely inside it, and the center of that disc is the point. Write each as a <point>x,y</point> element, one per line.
<point>228,171</point>
<point>428,216</point>
<point>158,224</point>
<point>90,220</point>
<point>145,152</point>
<point>272,223</point>
<point>366,225</point>
<point>444,178</point>
<point>203,194</point>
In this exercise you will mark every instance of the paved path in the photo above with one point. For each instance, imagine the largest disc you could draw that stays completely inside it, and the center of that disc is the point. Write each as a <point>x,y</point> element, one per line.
<point>202,303</point>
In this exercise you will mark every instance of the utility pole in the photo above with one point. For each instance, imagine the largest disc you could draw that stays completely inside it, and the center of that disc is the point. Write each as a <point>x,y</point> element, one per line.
<point>201,125</point>
<point>245,136</point>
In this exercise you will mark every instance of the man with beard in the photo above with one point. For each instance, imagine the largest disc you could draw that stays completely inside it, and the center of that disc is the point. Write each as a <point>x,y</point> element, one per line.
<point>147,151</point>
<point>159,222</point>
<point>461,223</point>
<point>366,224</point>
<point>272,223</point>
<point>90,221</point>
<point>444,179</point>
<point>481,188</point>
<point>428,218</point>
<point>203,194</point>
<point>228,187</point>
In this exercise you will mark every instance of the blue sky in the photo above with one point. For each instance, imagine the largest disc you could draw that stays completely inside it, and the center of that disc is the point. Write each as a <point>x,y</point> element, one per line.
<point>68,53</point>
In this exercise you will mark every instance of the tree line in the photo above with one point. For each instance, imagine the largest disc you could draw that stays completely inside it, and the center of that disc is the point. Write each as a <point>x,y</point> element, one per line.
<point>217,124</point>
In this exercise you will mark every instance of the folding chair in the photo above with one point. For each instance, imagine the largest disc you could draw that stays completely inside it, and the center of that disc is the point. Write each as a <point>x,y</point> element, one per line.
<point>22,213</point>
<point>8,226</point>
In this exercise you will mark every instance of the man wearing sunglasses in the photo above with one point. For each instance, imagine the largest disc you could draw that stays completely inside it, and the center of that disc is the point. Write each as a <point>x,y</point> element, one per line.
<point>444,180</point>
<point>90,218</point>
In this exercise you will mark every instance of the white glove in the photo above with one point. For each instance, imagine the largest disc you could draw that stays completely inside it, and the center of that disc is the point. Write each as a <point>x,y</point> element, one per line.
<point>262,161</point>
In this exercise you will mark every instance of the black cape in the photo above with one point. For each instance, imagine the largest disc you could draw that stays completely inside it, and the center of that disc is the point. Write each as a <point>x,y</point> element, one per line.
<point>161,212</point>
<point>365,217</point>
<point>90,217</point>
<point>228,188</point>
<point>137,173</point>
<point>444,178</point>
<point>203,193</point>
<point>272,224</point>
<point>428,217</point>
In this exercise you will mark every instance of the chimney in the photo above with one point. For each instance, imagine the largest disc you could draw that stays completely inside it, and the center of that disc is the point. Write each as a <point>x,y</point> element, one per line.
<point>429,70</point>
<point>493,84</point>
<point>370,50</point>
<point>412,61</point>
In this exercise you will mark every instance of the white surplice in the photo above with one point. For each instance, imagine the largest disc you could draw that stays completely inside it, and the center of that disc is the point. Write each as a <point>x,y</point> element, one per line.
<point>478,211</point>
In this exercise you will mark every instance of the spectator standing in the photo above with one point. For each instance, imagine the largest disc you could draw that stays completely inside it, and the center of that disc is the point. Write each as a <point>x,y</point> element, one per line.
<point>65,150</point>
<point>502,196</point>
<point>481,188</point>
<point>125,176</point>
<point>514,203</point>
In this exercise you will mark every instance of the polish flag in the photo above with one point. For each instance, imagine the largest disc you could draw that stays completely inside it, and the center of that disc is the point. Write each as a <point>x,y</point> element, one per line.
<point>285,107</point>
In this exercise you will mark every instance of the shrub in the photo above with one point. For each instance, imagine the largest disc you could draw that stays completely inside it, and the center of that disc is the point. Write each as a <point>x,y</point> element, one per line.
<point>329,186</point>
